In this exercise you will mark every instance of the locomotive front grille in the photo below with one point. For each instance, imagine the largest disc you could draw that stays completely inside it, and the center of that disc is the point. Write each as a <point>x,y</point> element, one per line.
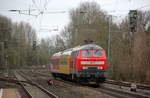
<point>91,71</point>
<point>92,68</point>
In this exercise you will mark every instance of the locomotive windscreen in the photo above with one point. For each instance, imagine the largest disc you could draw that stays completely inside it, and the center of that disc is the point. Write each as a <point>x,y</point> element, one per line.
<point>89,53</point>
<point>90,46</point>
<point>97,53</point>
<point>86,53</point>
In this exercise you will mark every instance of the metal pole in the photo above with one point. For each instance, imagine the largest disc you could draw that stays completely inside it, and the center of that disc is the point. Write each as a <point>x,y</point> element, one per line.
<point>6,57</point>
<point>6,64</point>
<point>37,54</point>
<point>109,40</point>
<point>19,49</point>
<point>109,35</point>
<point>2,53</point>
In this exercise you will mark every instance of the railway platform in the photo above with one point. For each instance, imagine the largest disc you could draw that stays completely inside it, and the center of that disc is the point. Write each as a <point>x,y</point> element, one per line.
<point>9,93</point>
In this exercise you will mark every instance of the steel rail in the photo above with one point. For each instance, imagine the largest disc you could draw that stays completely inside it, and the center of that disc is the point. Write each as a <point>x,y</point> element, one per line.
<point>120,93</point>
<point>39,86</point>
<point>21,83</point>
<point>27,92</point>
<point>128,84</point>
<point>111,91</point>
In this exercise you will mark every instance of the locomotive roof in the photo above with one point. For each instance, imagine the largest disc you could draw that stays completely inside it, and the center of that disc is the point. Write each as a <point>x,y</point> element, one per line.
<point>88,46</point>
<point>57,54</point>
<point>68,51</point>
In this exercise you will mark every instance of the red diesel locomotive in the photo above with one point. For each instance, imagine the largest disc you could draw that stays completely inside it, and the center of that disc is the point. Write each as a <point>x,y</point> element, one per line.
<point>85,63</point>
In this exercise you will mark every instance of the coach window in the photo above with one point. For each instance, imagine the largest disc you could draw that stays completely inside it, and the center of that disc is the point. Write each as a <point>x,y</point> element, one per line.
<point>77,53</point>
<point>72,54</point>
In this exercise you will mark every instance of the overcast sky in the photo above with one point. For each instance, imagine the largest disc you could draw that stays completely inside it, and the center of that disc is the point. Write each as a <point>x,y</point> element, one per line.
<point>119,8</point>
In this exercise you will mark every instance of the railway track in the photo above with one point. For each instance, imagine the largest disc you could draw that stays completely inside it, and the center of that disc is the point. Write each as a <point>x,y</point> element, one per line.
<point>120,93</point>
<point>26,91</point>
<point>33,89</point>
<point>67,90</point>
<point>128,84</point>
<point>11,85</point>
<point>118,83</point>
<point>117,92</point>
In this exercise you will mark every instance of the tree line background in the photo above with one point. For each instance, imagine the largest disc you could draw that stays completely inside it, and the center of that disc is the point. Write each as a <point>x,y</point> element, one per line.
<point>130,52</point>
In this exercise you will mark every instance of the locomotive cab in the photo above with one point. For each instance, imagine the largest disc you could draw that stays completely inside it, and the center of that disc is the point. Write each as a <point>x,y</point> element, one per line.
<point>90,63</point>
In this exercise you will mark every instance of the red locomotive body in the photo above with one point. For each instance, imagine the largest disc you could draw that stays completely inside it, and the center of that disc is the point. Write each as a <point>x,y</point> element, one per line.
<point>83,63</point>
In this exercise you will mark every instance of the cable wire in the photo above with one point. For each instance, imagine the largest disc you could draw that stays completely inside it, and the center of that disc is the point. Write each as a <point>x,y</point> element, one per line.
<point>148,5</point>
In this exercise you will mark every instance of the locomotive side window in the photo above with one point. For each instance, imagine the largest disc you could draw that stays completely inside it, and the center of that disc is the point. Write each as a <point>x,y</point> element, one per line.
<point>86,53</point>
<point>97,53</point>
<point>74,54</point>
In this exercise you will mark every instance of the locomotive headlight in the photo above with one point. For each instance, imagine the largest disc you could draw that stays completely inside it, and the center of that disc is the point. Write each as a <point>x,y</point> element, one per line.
<point>99,67</point>
<point>84,67</point>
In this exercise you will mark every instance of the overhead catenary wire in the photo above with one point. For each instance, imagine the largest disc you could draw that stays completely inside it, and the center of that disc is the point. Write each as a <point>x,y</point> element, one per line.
<point>44,10</point>
<point>147,5</point>
<point>33,1</point>
<point>45,5</point>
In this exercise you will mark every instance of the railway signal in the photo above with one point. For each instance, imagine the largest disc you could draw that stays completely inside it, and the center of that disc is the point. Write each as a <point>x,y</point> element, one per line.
<point>133,20</point>
<point>34,45</point>
<point>6,44</point>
